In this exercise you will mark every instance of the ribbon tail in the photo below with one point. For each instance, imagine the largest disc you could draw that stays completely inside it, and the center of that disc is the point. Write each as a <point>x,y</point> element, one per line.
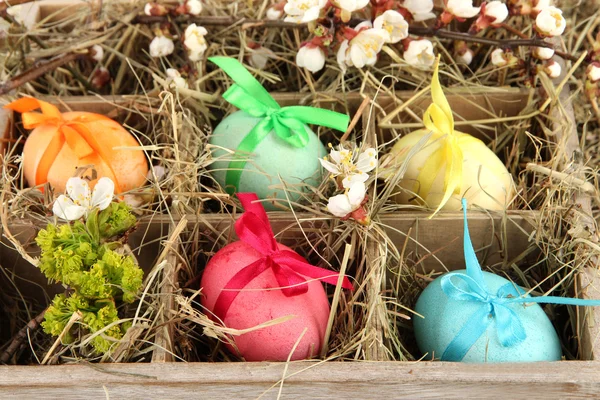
<point>238,282</point>
<point>510,328</point>
<point>453,177</point>
<point>48,157</point>
<point>296,263</point>
<point>26,104</point>
<point>468,335</point>
<point>569,301</point>
<point>244,80</point>
<point>317,116</point>
<point>98,148</point>
<point>472,264</point>
<point>256,232</point>
<point>290,282</point>
<point>439,98</point>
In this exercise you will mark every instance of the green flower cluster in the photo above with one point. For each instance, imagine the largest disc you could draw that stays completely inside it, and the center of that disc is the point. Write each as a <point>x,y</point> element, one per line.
<point>83,257</point>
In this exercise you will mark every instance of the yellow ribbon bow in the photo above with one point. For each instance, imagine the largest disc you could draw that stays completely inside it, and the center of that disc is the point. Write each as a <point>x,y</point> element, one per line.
<point>74,133</point>
<point>438,119</point>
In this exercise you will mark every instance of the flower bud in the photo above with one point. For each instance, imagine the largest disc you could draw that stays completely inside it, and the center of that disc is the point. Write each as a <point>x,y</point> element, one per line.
<point>552,69</point>
<point>593,72</point>
<point>550,22</point>
<point>543,53</point>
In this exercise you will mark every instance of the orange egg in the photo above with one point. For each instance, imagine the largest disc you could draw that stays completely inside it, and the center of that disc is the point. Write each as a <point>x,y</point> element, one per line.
<point>62,142</point>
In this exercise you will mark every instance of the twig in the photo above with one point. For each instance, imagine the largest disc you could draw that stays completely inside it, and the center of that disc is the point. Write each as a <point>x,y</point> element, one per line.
<point>217,21</point>
<point>36,72</point>
<point>355,119</point>
<point>20,337</point>
<point>569,179</point>
<point>445,34</point>
<point>74,318</point>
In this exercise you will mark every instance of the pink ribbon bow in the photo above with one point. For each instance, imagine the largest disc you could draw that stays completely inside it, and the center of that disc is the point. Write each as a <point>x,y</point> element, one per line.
<point>290,269</point>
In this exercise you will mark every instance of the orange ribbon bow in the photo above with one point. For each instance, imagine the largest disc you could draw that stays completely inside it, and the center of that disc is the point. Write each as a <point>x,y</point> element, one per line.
<point>75,133</point>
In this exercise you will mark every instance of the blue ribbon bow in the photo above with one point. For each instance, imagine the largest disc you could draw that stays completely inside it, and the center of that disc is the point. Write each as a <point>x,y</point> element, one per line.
<point>494,306</point>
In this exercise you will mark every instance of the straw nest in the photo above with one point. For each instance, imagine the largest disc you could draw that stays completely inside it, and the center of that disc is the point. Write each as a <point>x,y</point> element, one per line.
<point>373,321</point>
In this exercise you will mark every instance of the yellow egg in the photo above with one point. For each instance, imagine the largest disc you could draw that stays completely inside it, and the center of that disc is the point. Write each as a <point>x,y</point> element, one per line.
<point>448,165</point>
<point>485,181</point>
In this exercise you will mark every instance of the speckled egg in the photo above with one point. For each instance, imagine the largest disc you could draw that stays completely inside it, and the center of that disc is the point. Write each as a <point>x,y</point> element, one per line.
<point>273,158</point>
<point>445,317</point>
<point>253,307</point>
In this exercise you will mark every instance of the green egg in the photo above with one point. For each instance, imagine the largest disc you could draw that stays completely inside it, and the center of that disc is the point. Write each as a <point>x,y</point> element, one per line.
<point>272,161</point>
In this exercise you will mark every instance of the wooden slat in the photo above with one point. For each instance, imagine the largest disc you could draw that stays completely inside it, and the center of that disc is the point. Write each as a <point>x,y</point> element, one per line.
<point>304,380</point>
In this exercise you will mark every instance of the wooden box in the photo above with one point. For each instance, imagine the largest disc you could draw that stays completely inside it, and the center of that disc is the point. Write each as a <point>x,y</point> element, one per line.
<point>167,378</point>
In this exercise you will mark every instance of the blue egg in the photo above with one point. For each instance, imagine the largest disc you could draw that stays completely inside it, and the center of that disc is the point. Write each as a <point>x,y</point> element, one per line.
<point>273,158</point>
<point>445,317</point>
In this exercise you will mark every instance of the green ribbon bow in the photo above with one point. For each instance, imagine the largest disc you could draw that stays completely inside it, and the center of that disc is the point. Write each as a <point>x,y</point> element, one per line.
<point>248,95</point>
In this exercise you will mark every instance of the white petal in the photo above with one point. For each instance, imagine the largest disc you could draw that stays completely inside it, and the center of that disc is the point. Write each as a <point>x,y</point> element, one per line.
<point>367,160</point>
<point>79,191</point>
<point>339,205</point>
<point>342,55</point>
<point>336,156</point>
<point>103,193</point>
<point>357,56</point>
<point>356,194</point>
<point>350,180</point>
<point>329,166</point>
<point>64,208</point>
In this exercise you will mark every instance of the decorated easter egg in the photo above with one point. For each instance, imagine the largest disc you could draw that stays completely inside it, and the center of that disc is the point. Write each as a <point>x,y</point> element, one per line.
<point>60,143</point>
<point>273,167</point>
<point>449,165</point>
<point>261,301</point>
<point>445,319</point>
<point>484,180</point>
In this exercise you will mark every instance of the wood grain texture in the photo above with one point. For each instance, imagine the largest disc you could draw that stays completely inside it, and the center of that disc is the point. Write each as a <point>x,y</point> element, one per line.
<point>304,380</point>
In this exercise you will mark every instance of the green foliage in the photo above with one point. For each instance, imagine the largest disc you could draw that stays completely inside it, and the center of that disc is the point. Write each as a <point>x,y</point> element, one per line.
<point>82,256</point>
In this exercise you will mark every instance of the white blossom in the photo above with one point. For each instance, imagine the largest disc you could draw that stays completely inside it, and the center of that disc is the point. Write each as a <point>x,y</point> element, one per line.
<point>550,22</point>
<point>344,163</point>
<point>465,58</point>
<point>420,9</point>
<point>539,5</point>
<point>80,201</point>
<point>394,23</point>
<point>193,7</point>
<point>497,10</point>
<point>161,46</point>
<point>175,80</point>
<point>543,53</point>
<point>363,48</point>
<point>593,72</point>
<point>98,53</point>
<point>273,13</point>
<point>349,6</point>
<point>260,56</point>
<point>344,204</point>
<point>462,8</point>
<point>195,41</point>
<point>301,11</point>
<point>420,54</point>
<point>311,58</point>
<point>499,58</point>
<point>553,69</point>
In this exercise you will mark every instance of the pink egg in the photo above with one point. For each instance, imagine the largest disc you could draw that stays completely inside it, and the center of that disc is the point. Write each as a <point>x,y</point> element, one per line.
<point>252,307</point>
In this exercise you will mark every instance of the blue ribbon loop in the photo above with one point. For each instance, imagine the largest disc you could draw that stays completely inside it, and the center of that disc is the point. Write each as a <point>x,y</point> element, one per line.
<point>493,306</point>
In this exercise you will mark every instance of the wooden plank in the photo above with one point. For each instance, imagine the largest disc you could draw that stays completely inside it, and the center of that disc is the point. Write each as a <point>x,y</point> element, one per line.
<point>304,380</point>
